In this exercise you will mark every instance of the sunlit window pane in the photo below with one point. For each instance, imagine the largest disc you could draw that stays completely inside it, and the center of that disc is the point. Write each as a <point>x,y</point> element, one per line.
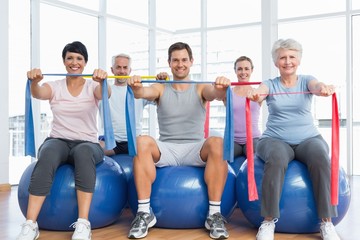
<point>356,90</point>
<point>132,10</point>
<point>224,46</point>
<point>355,4</point>
<point>90,4</point>
<point>19,63</point>
<point>174,16</point>
<point>297,8</point>
<point>230,12</point>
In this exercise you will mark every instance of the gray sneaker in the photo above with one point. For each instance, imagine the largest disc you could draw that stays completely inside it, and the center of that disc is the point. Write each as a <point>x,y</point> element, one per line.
<point>140,225</point>
<point>216,224</point>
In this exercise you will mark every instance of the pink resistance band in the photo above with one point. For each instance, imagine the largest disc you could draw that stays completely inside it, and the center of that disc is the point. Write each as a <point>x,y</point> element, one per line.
<point>335,150</point>
<point>252,191</point>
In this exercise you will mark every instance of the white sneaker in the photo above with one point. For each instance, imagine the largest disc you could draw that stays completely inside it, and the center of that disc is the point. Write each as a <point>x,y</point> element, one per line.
<point>29,231</point>
<point>328,232</point>
<point>82,230</point>
<point>266,230</point>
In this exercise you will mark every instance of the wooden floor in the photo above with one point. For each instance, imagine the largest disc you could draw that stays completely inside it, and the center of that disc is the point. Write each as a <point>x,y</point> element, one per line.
<point>11,219</point>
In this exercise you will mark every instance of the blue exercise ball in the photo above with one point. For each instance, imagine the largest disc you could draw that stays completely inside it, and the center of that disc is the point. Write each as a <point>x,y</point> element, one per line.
<point>236,163</point>
<point>60,208</point>
<point>179,197</point>
<point>126,163</point>
<point>298,212</point>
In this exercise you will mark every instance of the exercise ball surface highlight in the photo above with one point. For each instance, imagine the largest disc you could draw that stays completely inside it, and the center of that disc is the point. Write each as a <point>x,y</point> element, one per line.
<point>126,163</point>
<point>236,163</point>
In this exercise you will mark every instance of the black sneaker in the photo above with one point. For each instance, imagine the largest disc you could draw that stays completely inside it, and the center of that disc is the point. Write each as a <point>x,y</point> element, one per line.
<point>216,224</point>
<point>140,225</point>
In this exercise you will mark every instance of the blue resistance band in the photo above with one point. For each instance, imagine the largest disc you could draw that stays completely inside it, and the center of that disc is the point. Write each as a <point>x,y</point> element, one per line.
<point>108,128</point>
<point>130,121</point>
<point>29,121</point>
<point>29,124</point>
<point>229,128</point>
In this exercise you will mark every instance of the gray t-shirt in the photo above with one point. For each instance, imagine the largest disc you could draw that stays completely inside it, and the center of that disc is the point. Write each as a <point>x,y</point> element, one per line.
<point>181,115</point>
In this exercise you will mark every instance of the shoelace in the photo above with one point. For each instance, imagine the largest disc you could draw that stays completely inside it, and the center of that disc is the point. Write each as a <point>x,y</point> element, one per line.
<point>265,224</point>
<point>218,221</point>
<point>140,218</point>
<point>79,226</point>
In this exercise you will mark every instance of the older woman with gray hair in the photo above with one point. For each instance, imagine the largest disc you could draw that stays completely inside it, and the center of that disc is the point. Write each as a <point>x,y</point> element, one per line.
<point>291,134</point>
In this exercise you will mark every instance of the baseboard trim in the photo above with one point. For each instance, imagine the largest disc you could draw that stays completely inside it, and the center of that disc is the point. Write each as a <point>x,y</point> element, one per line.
<point>5,187</point>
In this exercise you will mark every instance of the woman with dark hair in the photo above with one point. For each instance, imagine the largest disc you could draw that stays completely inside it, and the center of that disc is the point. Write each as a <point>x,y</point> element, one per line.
<point>73,138</point>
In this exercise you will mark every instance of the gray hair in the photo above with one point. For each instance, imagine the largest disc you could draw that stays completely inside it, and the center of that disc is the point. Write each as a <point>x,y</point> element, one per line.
<point>289,44</point>
<point>121,55</point>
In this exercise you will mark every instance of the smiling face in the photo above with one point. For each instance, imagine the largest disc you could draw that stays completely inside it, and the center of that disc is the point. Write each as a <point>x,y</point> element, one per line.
<point>243,71</point>
<point>74,63</point>
<point>287,61</point>
<point>180,64</point>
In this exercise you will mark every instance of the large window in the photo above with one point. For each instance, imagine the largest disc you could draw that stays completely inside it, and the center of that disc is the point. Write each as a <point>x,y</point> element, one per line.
<point>218,35</point>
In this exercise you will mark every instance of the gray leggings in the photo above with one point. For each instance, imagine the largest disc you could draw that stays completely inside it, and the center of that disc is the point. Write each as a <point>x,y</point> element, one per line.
<point>314,153</point>
<point>54,152</point>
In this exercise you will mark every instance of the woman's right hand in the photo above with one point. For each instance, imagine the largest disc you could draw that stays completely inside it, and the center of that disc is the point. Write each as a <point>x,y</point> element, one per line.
<point>35,75</point>
<point>253,95</point>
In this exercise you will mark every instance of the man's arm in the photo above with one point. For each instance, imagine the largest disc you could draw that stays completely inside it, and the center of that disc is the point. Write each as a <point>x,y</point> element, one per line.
<point>217,90</point>
<point>150,93</point>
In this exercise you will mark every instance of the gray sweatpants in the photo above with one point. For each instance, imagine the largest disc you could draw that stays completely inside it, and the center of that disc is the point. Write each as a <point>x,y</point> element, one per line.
<point>276,154</point>
<point>54,152</point>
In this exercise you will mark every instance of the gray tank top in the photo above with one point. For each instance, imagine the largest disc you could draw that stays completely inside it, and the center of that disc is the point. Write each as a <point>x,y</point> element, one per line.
<point>181,115</point>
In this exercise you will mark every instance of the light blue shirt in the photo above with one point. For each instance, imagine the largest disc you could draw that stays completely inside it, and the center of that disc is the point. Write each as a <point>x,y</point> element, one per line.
<point>290,118</point>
